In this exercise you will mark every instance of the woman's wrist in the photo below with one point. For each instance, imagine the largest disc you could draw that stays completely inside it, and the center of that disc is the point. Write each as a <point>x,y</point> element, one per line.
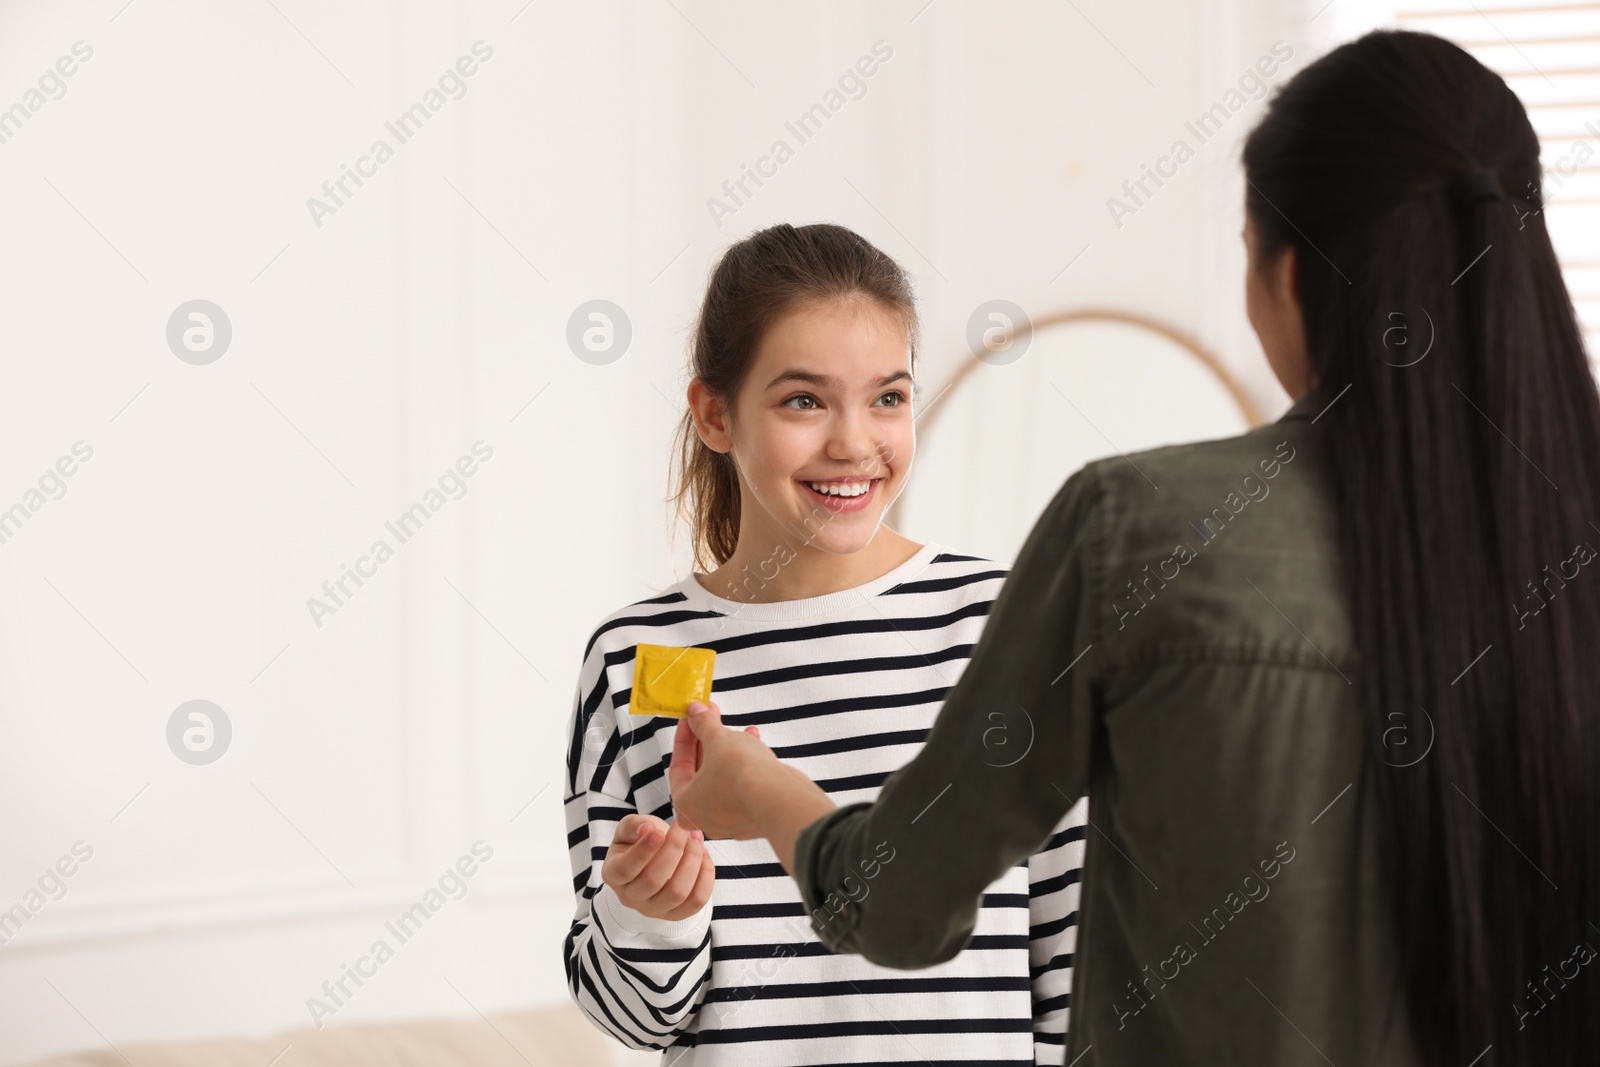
<point>785,806</point>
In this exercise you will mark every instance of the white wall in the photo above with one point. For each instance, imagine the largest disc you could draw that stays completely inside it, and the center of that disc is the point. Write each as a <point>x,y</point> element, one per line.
<point>368,353</point>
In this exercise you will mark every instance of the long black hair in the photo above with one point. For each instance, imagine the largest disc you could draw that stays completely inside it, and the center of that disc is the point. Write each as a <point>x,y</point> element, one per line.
<point>1464,456</point>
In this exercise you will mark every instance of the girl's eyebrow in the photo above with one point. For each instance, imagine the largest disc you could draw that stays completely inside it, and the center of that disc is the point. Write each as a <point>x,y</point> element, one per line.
<point>829,382</point>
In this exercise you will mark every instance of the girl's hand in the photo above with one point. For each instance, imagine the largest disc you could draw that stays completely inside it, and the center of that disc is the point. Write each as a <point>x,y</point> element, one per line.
<point>713,771</point>
<point>657,868</point>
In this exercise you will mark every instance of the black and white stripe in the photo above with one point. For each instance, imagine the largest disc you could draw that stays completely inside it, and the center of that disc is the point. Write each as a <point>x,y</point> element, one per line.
<point>845,687</point>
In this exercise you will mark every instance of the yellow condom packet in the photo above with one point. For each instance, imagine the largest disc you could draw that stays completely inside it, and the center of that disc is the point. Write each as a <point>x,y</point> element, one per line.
<point>666,679</point>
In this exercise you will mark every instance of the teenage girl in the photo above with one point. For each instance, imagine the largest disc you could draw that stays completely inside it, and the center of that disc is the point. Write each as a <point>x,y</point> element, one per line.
<point>836,640</point>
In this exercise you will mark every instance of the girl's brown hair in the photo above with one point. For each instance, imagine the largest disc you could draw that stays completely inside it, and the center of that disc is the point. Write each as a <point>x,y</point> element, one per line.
<point>757,281</point>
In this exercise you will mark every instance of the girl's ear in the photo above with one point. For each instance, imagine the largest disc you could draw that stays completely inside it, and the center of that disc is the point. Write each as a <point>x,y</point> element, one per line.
<point>710,417</point>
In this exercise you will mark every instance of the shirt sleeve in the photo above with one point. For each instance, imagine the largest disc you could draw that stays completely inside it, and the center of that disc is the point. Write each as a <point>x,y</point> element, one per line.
<point>1054,874</point>
<point>638,978</point>
<point>955,817</point>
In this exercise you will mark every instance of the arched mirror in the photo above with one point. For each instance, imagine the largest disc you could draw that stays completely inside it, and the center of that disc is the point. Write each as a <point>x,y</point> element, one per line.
<point>1035,404</point>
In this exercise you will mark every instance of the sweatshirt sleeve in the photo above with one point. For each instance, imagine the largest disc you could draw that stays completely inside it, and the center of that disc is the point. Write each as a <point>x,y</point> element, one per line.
<point>1054,873</point>
<point>637,978</point>
<point>956,820</point>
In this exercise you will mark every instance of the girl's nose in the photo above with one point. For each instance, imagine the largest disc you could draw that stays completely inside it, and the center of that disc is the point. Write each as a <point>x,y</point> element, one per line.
<point>853,439</point>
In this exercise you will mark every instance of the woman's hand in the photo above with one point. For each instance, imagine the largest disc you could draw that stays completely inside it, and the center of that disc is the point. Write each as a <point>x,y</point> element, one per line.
<point>729,784</point>
<point>714,797</point>
<point>657,868</point>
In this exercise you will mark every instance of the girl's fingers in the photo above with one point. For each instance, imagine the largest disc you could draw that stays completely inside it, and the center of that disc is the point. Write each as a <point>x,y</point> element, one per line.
<point>704,881</point>
<point>637,841</point>
<point>635,825</point>
<point>660,867</point>
<point>700,892</point>
<point>682,882</point>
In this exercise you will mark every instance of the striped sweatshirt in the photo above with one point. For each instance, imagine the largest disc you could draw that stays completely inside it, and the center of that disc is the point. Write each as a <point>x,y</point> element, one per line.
<point>845,687</point>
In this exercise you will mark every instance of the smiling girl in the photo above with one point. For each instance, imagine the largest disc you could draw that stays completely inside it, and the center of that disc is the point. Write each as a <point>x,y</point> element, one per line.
<point>836,640</point>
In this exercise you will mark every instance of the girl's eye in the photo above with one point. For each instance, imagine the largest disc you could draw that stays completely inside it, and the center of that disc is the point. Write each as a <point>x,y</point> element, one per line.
<point>811,401</point>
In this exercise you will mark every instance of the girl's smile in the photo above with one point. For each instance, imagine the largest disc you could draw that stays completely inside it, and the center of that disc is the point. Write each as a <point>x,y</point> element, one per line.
<point>844,496</point>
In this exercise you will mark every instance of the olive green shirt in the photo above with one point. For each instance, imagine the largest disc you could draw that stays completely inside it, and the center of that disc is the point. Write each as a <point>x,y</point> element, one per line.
<point>1173,641</point>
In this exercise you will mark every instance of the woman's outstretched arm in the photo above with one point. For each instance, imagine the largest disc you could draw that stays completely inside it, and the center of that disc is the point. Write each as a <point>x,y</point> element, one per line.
<point>899,879</point>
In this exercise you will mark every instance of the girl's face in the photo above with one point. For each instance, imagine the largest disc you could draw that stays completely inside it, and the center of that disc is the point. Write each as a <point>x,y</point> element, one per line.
<point>821,434</point>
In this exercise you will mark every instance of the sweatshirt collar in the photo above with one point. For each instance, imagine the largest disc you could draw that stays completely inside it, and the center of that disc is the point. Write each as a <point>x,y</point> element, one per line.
<point>814,607</point>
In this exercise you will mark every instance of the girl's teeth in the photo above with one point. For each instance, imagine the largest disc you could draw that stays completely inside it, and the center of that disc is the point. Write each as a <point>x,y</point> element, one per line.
<point>836,490</point>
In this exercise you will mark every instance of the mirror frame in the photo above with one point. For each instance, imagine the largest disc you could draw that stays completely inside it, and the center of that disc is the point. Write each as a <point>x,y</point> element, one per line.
<point>1247,407</point>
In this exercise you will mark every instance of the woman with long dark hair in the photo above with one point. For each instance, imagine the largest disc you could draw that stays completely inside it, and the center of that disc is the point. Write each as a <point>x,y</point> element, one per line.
<point>1331,685</point>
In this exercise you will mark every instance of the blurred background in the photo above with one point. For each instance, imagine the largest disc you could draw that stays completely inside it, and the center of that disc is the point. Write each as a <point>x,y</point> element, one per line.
<point>344,345</point>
